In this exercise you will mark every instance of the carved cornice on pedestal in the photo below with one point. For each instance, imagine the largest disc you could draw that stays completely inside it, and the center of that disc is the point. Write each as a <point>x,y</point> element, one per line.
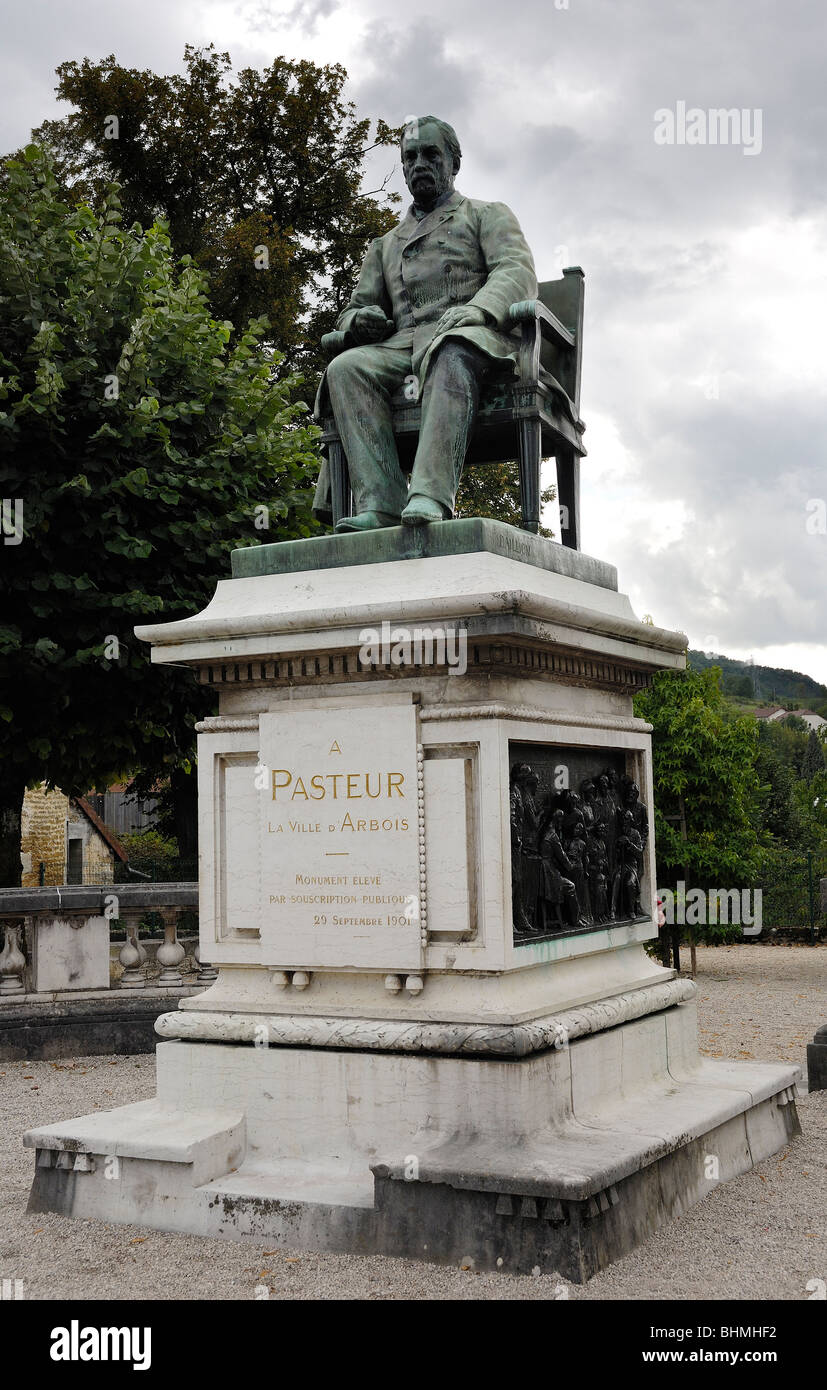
<point>501,658</point>
<point>452,1039</point>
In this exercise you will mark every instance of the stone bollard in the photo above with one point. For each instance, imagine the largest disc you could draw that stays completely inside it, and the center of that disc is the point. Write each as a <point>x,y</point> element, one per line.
<point>170,952</point>
<point>817,1061</point>
<point>12,963</point>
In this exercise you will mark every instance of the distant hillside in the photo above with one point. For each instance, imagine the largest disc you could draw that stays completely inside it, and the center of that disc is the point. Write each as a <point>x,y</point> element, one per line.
<point>770,684</point>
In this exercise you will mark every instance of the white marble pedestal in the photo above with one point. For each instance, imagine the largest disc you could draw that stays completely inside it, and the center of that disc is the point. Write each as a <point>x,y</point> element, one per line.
<point>379,1066</point>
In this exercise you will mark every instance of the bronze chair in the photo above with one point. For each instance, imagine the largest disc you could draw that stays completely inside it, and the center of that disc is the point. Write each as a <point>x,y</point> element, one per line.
<point>529,417</point>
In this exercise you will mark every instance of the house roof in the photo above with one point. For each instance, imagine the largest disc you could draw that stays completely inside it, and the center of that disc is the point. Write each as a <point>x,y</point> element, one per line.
<point>103,830</point>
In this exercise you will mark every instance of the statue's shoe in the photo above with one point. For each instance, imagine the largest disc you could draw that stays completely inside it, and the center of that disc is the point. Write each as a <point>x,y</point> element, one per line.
<point>420,511</point>
<point>365,521</point>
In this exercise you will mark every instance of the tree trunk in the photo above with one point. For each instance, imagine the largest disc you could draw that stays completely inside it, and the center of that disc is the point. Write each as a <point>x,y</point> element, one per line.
<point>184,786</point>
<point>12,791</point>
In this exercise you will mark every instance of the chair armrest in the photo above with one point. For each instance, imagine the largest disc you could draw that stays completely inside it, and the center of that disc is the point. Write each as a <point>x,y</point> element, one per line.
<point>534,311</point>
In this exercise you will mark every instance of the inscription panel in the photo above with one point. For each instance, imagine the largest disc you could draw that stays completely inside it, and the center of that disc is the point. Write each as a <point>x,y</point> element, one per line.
<point>340,838</point>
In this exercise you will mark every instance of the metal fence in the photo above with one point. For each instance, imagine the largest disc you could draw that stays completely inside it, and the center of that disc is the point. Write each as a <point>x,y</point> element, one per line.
<point>791,894</point>
<point>53,873</point>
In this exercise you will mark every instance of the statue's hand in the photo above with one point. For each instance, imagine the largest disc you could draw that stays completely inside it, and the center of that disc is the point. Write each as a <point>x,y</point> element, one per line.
<point>461,316</point>
<point>370,325</point>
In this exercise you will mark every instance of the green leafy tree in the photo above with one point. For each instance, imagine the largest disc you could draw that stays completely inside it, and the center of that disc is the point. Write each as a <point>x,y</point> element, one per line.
<point>152,853</point>
<point>142,445</point>
<point>813,761</point>
<point>258,178</point>
<point>777,775</point>
<point>739,686</point>
<point>811,801</point>
<point>494,491</point>
<point>794,822</point>
<point>788,740</point>
<point>705,780</point>
<point>795,724</point>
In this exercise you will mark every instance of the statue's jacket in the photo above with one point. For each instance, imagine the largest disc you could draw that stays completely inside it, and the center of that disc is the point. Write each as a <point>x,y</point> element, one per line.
<point>463,252</point>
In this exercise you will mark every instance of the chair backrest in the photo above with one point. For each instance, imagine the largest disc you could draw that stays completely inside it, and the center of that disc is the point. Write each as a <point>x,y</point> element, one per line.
<point>565,297</point>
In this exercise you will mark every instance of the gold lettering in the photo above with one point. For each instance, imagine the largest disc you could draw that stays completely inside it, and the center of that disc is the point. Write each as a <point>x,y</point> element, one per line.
<point>354,785</point>
<point>280,772</point>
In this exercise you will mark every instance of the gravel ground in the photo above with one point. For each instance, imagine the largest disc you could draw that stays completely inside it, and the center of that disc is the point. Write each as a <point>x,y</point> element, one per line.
<point>762,1236</point>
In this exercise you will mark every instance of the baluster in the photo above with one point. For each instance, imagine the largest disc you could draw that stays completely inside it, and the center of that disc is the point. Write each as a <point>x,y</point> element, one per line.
<point>12,963</point>
<point>132,957</point>
<point>170,952</point>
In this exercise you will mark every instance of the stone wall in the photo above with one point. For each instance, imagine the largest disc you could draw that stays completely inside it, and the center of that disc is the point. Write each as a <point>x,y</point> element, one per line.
<point>43,835</point>
<point>98,860</point>
<point>44,839</point>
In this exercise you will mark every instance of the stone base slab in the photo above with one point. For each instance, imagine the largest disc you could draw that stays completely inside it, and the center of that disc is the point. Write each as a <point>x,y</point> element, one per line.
<point>563,1160</point>
<point>462,536</point>
<point>90,1024</point>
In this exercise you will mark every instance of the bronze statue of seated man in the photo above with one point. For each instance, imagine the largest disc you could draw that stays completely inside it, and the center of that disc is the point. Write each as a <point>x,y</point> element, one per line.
<point>430,310</point>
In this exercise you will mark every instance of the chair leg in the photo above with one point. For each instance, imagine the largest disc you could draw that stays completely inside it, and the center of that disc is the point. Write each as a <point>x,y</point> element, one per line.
<point>530,450</point>
<point>568,496</point>
<point>339,481</point>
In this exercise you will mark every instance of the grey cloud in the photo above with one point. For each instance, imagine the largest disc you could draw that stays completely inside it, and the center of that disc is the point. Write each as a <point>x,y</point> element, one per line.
<point>266,16</point>
<point>149,35</point>
<point>411,74</point>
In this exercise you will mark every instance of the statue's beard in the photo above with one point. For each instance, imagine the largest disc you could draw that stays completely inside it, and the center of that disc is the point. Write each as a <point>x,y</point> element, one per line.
<point>427,189</point>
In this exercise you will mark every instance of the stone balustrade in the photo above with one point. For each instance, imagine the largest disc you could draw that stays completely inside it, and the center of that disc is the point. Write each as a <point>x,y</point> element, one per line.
<point>64,942</point>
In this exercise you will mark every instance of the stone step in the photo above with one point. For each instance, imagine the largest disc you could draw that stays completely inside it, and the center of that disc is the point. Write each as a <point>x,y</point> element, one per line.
<point>211,1141</point>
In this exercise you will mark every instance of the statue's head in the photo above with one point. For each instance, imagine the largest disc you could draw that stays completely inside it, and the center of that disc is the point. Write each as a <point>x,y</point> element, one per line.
<point>430,158</point>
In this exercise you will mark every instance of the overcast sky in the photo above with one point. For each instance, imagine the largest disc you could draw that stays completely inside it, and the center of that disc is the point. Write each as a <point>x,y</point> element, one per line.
<point>705,368</point>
